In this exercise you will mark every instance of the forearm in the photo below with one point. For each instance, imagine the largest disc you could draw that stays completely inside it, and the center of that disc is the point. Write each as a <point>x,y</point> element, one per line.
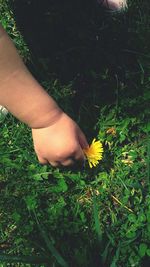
<point>20,93</point>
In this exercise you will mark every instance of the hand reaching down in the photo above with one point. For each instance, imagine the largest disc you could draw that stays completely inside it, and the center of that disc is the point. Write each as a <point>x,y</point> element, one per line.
<point>61,143</point>
<point>57,138</point>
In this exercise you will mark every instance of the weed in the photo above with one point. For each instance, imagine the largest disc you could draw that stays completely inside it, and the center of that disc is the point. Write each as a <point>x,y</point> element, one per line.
<point>82,217</point>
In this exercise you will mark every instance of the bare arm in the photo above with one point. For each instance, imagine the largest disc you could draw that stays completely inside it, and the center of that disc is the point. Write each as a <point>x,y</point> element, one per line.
<point>57,138</point>
<point>20,93</point>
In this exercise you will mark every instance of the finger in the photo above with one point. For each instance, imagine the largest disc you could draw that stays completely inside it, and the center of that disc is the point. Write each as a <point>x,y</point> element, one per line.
<point>79,156</point>
<point>42,160</point>
<point>54,163</point>
<point>68,162</point>
<point>82,140</point>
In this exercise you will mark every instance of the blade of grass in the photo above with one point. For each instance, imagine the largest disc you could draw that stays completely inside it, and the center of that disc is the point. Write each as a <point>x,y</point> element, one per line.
<point>119,202</point>
<point>148,162</point>
<point>49,244</point>
<point>105,252</point>
<point>115,258</point>
<point>96,220</point>
<point>22,259</point>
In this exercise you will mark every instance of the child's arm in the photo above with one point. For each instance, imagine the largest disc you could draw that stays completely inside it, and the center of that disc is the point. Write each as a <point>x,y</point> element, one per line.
<point>57,138</point>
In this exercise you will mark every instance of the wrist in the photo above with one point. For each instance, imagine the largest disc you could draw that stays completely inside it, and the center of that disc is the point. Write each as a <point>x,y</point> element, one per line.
<point>46,119</point>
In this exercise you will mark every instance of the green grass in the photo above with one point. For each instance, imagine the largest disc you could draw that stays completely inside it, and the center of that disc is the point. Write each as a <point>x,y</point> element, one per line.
<point>83,217</point>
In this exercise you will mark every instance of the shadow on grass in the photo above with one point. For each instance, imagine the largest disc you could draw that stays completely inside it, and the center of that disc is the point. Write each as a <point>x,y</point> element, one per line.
<point>77,41</point>
<point>82,43</point>
<point>72,38</point>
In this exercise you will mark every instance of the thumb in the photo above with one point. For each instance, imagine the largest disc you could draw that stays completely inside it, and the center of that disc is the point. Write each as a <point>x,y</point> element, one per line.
<point>82,140</point>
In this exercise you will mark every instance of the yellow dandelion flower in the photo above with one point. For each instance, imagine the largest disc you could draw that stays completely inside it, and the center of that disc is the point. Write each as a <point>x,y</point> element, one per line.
<point>94,153</point>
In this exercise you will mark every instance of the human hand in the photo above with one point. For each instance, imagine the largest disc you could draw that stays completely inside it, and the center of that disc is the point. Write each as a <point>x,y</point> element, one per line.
<point>60,144</point>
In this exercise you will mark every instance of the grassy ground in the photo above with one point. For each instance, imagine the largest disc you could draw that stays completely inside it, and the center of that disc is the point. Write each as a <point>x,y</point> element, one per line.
<point>96,65</point>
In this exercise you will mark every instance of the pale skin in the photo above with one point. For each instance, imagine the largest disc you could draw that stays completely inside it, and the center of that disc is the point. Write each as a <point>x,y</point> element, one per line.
<point>57,139</point>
